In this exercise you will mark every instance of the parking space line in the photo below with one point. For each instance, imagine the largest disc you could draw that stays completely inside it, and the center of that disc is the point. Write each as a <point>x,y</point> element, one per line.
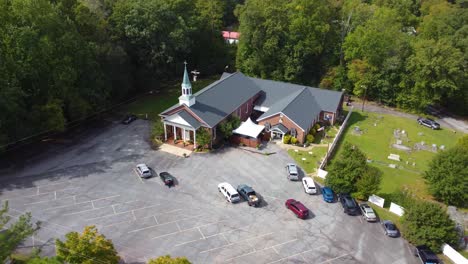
<point>134,217</point>
<point>201,233</point>
<point>79,212</point>
<point>243,240</point>
<point>52,184</point>
<point>113,208</point>
<point>178,227</point>
<point>188,242</point>
<point>155,219</point>
<point>225,238</point>
<point>105,216</point>
<point>272,247</point>
<point>333,258</point>
<point>297,254</point>
<point>138,176</point>
<point>64,206</point>
<point>171,222</point>
<point>55,195</point>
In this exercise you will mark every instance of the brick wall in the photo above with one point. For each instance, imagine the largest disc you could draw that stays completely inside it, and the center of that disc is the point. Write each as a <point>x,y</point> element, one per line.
<point>273,120</point>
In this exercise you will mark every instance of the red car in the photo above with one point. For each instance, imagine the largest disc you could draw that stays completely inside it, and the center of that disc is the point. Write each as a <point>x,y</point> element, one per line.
<point>297,208</point>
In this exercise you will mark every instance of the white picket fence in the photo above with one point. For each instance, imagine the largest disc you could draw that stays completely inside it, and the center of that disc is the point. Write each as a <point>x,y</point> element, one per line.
<point>453,255</point>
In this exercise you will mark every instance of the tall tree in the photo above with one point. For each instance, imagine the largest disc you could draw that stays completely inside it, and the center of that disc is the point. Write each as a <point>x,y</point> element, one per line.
<point>426,223</point>
<point>13,234</point>
<point>448,177</point>
<point>89,247</point>
<point>169,260</point>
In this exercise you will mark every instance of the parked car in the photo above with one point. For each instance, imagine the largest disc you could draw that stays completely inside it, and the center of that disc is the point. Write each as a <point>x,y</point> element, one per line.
<point>229,192</point>
<point>309,185</point>
<point>128,119</point>
<point>297,208</point>
<point>328,195</point>
<point>390,228</point>
<point>143,171</point>
<point>167,178</point>
<point>248,194</point>
<point>350,206</point>
<point>426,255</point>
<point>368,213</point>
<point>429,123</point>
<point>292,171</point>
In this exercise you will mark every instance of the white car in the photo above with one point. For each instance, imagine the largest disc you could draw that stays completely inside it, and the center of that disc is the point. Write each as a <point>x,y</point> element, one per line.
<point>309,185</point>
<point>368,213</point>
<point>292,171</point>
<point>143,170</point>
<point>229,192</point>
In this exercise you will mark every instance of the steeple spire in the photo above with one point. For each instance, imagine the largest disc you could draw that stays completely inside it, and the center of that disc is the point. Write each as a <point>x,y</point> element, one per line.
<point>186,98</point>
<point>186,81</point>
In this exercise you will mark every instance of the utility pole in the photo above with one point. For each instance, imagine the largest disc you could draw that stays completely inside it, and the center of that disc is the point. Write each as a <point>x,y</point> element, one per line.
<point>364,99</point>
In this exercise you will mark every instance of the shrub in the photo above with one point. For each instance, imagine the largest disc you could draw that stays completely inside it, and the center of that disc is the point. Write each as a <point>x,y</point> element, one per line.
<point>310,138</point>
<point>312,131</point>
<point>287,139</point>
<point>158,128</point>
<point>316,126</point>
<point>203,137</point>
<point>427,223</point>
<point>293,140</point>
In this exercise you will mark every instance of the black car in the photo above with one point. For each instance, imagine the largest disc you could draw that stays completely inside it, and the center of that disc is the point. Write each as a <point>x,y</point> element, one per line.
<point>426,255</point>
<point>167,178</point>
<point>128,119</point>
<point>429,123</point>
<point>350,206</point>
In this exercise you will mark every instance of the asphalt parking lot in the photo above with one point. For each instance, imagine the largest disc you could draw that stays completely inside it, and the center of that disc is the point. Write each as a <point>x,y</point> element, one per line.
<point>93,182</point>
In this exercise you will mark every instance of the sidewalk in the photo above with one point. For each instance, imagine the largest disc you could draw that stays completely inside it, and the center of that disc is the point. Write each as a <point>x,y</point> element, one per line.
<point>174,150</point>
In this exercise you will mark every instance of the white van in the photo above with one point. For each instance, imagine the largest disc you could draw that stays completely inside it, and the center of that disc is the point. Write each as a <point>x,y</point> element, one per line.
<point>292,171</point>
<point>309,185</point>
<point>229,192</point>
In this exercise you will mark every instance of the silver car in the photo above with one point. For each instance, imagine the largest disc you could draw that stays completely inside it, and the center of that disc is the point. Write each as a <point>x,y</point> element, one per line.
<point>292,171</point>
<point>390,228</point>
<point>143,171</point>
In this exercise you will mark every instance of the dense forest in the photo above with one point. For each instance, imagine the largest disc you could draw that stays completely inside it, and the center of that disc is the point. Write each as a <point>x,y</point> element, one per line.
<point>63,60</point>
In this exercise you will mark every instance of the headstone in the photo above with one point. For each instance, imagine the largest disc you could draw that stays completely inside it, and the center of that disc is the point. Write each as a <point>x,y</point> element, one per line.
<point>303,159</point>
<point>414,164</point>
<point>403,132</point>
<point>393,166</point>
<point>420,134</point>
<point>310,153</point>
<point>296,150</point>
<point>398,142</point>
<point>442,147</point>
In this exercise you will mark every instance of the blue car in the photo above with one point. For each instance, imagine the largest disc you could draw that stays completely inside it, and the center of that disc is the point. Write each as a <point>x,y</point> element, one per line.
<point>328,195</point>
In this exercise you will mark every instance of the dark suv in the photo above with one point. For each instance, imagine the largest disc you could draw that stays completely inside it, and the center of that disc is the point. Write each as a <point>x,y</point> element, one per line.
<point>426,255</point>
<point>350,206</point>
<point>429,123</point>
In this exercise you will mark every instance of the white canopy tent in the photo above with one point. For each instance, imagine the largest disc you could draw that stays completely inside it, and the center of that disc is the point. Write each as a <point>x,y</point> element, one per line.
<point>249,128</point>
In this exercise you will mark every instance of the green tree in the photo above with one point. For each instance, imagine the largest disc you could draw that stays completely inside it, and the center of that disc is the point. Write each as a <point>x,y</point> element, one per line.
<point>45,260</point>
<point>346,169</point>
<point>447,176</point>
<point>203,137</point>
<point>13,234</point>
<point>169,260</point>
<point>89,247</point>
<point>227,126</point>
<point>368,183</point>
<point>426,223</point>
<point>158,128</point>
<point>211,12</point>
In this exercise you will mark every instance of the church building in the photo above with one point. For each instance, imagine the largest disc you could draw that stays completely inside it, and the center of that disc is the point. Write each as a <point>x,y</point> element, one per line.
<point>281,108</point>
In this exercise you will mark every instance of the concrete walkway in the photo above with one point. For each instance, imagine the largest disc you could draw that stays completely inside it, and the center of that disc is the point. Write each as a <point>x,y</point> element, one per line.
<point>174,150</point>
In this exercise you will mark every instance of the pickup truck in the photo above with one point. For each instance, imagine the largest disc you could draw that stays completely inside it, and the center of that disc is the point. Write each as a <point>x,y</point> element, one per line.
<point>248,194</point>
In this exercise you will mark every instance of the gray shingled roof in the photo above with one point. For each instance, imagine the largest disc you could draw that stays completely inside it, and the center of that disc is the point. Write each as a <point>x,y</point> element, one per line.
<point>303,110</point>
<point>281,127</point>
<point>188,118</point>
<point>219,99</point>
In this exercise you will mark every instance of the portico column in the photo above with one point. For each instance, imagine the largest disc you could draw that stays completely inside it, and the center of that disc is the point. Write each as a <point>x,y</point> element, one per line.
<point>183,136</point>
<point>175,135</point>
<point>194,139</point>
<point>165,132</point>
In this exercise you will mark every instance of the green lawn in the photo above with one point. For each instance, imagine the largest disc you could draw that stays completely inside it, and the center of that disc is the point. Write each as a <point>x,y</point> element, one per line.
<point>376,141</point>
<point>168,95</point>
<point>312,162</point>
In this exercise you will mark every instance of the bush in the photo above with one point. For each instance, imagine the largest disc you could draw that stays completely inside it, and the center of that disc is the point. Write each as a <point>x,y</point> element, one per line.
<point>227,126</point>
<point>294,140</point>
<point>310,138</point>
<point>312,131</point>
<point>158,129</point>
<point>203,137</point>
<point>316,126</point>
<point>447,176</point>
<point>427,223</point>
<point>286,139</point>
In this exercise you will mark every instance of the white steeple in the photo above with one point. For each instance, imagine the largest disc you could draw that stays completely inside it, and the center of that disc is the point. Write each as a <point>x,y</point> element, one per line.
<point>186,98</point>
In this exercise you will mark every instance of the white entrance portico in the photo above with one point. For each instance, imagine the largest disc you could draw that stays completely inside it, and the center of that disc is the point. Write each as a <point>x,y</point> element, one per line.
<point>181,126</point>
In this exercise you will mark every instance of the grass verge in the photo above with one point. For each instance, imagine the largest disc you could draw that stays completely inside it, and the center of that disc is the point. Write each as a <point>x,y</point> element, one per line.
<point>312,161</point>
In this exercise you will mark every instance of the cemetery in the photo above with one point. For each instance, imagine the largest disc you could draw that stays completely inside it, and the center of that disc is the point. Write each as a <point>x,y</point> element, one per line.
<point>398,146</point>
